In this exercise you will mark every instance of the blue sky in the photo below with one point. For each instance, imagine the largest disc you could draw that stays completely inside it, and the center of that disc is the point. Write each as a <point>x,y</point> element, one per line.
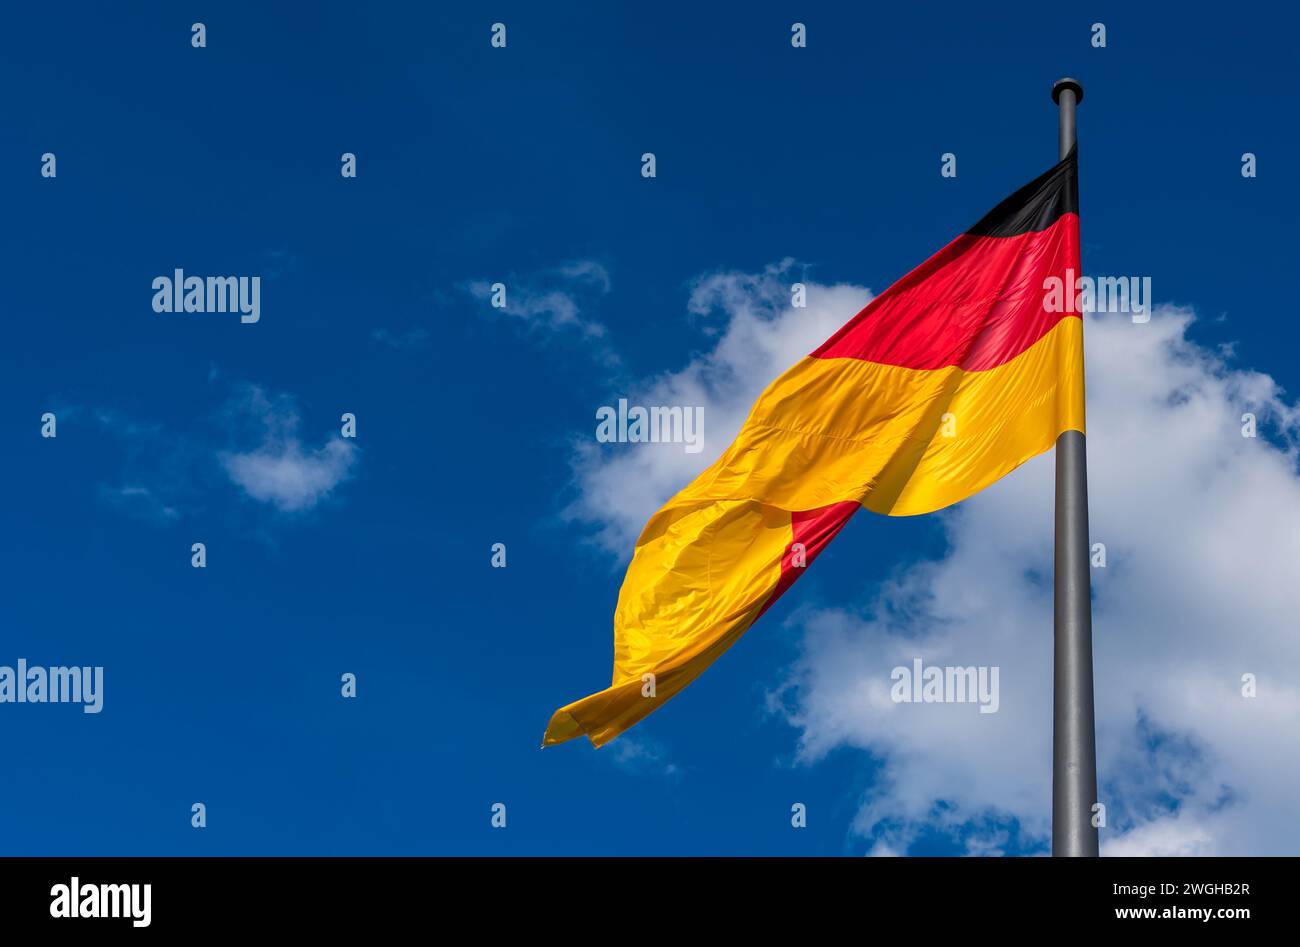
<point>474,163</point>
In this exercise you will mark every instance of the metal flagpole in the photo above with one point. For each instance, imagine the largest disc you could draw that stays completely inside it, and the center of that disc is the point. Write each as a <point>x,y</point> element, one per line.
<point>1074,749</point>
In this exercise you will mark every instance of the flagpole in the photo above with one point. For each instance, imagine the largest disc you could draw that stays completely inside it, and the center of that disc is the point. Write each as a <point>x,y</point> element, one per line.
<point>1074,744</point>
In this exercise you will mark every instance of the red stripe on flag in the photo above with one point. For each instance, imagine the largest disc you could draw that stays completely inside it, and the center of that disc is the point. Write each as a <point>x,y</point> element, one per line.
<point>813,529</point>
<point>976,304</point>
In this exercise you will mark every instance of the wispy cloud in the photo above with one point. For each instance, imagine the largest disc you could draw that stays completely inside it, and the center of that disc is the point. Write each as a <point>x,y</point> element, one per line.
<point>413,338</point>
<point>760,335</point>
<point>1200,524</point>
<point>555,300</point>
<point>163,473</point>
<point>280,470</point>
<point>122,425</point>
<point>638,754</point>
<point>139,501</point>
<point>252,442</point>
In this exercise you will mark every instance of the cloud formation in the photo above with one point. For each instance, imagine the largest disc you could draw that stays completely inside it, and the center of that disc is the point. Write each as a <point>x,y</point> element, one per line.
<point>255,445</point>
<point>1202,533</point>
<point>556,300</point>
<point>136,500</point>
<point>761,336</point>
<point>413,338</point>
<point>1201,526</point>
<point>280,470</point>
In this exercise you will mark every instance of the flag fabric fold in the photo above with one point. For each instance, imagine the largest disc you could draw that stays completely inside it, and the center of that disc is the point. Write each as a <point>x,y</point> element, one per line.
<point>947,381</point>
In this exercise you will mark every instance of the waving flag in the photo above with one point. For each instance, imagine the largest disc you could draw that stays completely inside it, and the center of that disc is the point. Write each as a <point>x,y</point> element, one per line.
<point>951,378</point>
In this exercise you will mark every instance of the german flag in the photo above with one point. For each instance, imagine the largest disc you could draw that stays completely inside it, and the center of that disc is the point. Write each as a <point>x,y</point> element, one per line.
<point>950,379</point>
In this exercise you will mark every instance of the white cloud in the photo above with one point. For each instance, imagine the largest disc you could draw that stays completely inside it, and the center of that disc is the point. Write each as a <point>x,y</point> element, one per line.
<point>555,300</point>
<point>1202,529</point>
<point>622,485</point>
<point>280,470</point>
<point>139,501</point>
<point>126,427</point>
<point>638,755</point>
<point>1171,836</point>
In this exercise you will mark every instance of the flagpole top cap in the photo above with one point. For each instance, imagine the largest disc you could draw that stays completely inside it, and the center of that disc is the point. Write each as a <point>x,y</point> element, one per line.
<point>1060,85</point>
